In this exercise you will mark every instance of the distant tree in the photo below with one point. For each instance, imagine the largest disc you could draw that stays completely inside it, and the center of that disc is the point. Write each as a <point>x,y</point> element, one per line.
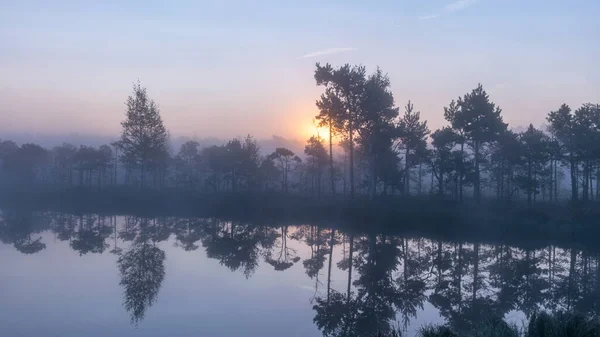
<point>215,158</point>
<point>507,156</point>
<point>331,110</point>
<point>268,173</point>
<point>26,165</point>
<point>562,126</point>
<point>587,130</point>
<point>250,163</point>
<point>187,162</point>
<point>412,133</point>
<point>7,147</point>
<point>85,159</point>
<point>317,160</point>
<point>443,141</point>
<point>104,160</point>
<point>536,155</point>
<point>285,160</point>
<point>375,126</point>
<point>144,137</point>
<point>64,163</point>
<point>348,85</point>
<point>233,162</point>
<point>479,120</point>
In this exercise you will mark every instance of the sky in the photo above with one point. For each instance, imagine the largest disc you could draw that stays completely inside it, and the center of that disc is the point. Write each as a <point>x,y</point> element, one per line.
<point>229,68</point>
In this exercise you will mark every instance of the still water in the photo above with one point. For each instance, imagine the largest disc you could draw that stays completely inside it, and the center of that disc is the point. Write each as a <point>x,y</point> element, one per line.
<point>91,275</point>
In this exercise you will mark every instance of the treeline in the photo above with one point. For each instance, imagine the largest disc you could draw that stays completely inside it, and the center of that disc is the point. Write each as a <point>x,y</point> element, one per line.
<point>379,151</point>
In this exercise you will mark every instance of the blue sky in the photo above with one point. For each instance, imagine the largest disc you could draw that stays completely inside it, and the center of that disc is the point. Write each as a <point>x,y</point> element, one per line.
<point>227,68</point>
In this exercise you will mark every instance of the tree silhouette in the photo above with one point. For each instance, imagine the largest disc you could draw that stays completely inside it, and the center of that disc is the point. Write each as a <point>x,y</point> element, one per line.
<point>347,83</point>
<point>443,140</point>
<point>317,159</point>
<point>535,144</point>
<point>412,133</point>
<point>285,160</point>
<point>376,130</point>
<point>142,272</point>
<point>330,115</point>
<point>17,227</point>
<point>144,137</point>
<point>286,257</point>
<point>478,120</point>
<point>562,126</point>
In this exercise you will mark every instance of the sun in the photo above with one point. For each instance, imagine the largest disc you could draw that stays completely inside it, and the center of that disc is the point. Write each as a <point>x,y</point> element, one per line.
<point>312,129</point>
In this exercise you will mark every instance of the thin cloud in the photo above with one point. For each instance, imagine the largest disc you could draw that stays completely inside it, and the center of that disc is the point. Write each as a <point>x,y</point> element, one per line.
<point>450,8</point>
<point>330,51</point>
<point>429,17</point>
<point>458,5</point>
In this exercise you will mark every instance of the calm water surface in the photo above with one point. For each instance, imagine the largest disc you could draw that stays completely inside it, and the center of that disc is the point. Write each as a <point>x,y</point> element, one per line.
<point>90,275</point>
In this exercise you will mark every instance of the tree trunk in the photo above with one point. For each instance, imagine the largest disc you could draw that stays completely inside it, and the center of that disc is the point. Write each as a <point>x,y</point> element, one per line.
<point>574,193</point>
<point>550,181</point>
<point>529,182</point>
<point>555,181</point>
<point>462,170</point>
<point>477,184</point>
<point>460,262</point>
<point>351,251</point>
<point>406,172</point>
<point>331,173</point>
<point>420,178</point>
<point>475,270</point>
<point>351,136</point>
<point>329,268</point>
<point>571,275</point>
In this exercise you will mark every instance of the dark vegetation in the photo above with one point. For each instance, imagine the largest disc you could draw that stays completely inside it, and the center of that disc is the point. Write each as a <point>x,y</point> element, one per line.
<point>540,325</point>
<point>380,152</point>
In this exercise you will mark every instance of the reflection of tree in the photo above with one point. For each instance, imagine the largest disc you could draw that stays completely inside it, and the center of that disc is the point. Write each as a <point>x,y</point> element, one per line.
<point>382,289</point>
<point>130,228</point>
<point>63,225</point>
<point>318,253</point>
<point>589,302</point>
<point>17,227</point>
<point>142,272</point>
<point>91,235</point>
<point>116,249</point>
<point>532,285</point>
<point>236,246</point>
<point>286,256</point>
<point>187,233</point>
<point>335,317</point>
<point>411,284</point>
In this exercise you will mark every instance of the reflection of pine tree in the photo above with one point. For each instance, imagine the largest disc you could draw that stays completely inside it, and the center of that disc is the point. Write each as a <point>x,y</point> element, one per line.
<point>91,235</point>
<point>187,233</point>
<point>18,227</point>
<point>236,246</point>
<point>142,272</point>
<point>312,236</point>
<point>286,257</point>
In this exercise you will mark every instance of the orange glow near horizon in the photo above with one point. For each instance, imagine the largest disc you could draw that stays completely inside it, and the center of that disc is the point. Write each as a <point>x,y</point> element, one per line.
<point>314,130</point>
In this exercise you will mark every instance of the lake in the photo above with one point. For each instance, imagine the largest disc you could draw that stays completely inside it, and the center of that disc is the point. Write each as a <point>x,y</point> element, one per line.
<point>122,275</point>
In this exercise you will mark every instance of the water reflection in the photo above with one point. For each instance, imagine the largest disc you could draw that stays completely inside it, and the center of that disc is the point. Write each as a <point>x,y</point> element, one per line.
<point>388,279</point>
